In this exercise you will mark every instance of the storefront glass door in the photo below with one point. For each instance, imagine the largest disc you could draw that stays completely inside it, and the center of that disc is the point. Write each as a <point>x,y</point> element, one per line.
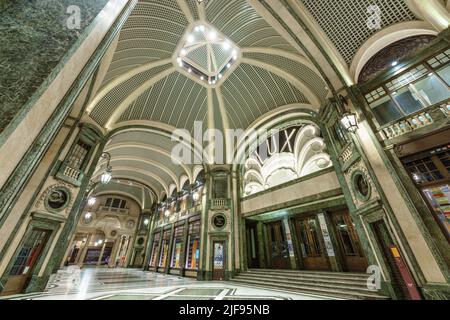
<point>313,253</point>
<point>353,257</point>
<point>25,261</point>
<point>278,246</point>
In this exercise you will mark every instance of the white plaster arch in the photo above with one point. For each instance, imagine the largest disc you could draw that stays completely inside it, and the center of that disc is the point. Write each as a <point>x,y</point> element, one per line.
<point>162,129</point>
<point>143,160</point>
<point>384,38</point>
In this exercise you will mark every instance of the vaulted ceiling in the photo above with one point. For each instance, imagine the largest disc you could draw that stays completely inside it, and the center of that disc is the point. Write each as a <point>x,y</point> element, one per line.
<point>146,93</point>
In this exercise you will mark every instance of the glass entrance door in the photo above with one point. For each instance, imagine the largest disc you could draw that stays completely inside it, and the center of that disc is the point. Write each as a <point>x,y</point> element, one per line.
<point>26,260</point>
<point>353,256</point>
<point>278,246</point>
<point>313,253</point>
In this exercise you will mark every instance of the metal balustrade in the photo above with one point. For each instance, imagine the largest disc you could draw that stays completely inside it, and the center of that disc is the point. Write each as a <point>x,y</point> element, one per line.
<point>219,203</point>
<point>417,120</point>
<point>112,210</point>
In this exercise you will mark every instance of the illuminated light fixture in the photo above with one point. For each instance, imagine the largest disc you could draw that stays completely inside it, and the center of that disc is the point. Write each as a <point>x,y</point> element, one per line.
<point>201,28</point>
<point>92,201</point>
<point>349,122</point>
<point>96,244</point>
<point>196,196</point>
<point>190,70</point>
<point>88,215</point>
<point>146,222</point>
<point>190,38</point>
<point>431,74</point>
<point>226,45</point>
<point>167,213</point>
<point>100,241</point>
<point>107,175</point>
<point>212,35</point>
<point>348,119</point>
<point>228,65</point>
<point>202,78</point>
<point>220,76</point>
<point>394,63</point>
<point>183,52</point>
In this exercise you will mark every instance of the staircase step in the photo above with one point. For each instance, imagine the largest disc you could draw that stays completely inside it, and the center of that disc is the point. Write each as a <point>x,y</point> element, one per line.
<point>308,280</point>
<point>314,273</point>
<point>330,292</point>
<point>331,276</point>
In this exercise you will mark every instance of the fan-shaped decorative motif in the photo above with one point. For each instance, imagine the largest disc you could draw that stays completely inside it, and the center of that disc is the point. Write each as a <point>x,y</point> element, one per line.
<point>302,155</point>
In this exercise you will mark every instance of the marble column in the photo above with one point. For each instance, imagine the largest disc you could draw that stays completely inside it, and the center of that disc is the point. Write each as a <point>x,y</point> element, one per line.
<point>432,11</point>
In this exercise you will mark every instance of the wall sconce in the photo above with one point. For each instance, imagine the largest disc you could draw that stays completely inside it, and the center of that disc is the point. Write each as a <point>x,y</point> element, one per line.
<point>196,196</point>
<point>167,213</point>
<point>146,222</point>
<point>348,119</point>
<point>349,122</point>
<point>107,175</point>
<point>91,201</point>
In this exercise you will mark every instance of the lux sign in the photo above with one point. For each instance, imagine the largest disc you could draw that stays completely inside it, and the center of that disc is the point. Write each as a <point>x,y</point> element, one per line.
<point>282,141</point>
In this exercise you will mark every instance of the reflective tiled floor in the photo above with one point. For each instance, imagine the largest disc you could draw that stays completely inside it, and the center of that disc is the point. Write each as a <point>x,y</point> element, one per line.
<point>131,284</point>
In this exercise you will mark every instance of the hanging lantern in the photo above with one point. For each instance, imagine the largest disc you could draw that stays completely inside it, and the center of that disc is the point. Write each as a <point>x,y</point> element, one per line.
<point>349,121</point>
<point>107,175</point>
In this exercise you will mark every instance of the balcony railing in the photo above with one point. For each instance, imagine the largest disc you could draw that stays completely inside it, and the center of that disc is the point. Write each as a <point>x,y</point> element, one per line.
<point>112,210</point>
<point>219,203</point>
<point>71,175</point>
<point>417,120</point>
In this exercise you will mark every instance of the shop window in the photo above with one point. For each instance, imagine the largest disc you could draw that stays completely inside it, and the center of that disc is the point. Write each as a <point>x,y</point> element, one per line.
<point>115,203</point>
<point>193,246</point>
<point>220,189</point>
<point>78,155</point>
<point>164,249</point>
<point>422,86</point>
<point>386,110</point>
<point>30,252</point>
<point>430,171</point>
<point>176,249</point>
<point>155,248</point>
<point>444,73</point>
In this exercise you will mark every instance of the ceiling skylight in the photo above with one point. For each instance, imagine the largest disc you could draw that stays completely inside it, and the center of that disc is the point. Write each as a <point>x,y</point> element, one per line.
<point>206,54</point>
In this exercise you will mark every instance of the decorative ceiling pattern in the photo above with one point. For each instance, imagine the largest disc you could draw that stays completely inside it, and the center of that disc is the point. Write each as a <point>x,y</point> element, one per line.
<point>345,22</point>
<point>171,69</point>
<point>240,22</point>
<point>152,32</point>
<point>157,103</point>
<point>250,92</point>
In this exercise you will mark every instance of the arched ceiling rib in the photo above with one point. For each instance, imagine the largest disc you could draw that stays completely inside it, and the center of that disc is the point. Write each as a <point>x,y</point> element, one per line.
<point>145,84</point>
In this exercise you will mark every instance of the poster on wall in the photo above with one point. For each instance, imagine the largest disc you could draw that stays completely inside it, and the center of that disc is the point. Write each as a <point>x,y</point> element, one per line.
<point>326,235</point>
<point>218,255</point>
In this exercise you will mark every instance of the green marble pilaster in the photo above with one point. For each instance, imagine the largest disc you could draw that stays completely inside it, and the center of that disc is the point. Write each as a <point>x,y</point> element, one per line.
<point>169,250</point>
<point>16,183</point>
<point>261,246</point>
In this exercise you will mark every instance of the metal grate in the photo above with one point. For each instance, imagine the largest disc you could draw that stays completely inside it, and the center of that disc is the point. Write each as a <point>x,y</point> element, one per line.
<point>345,21</point>
<point>297,69</point>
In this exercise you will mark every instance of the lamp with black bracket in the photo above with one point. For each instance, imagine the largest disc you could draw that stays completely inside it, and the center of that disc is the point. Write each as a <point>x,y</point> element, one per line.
<point>348,119</point>
<point>107,175</point>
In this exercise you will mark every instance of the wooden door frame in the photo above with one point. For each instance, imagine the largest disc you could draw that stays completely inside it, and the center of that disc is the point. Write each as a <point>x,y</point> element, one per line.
<point>39,220</point>
<point>225,254</point>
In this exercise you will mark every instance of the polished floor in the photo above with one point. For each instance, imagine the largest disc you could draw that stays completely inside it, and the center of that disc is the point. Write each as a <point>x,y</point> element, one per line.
<point>131,284</point>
